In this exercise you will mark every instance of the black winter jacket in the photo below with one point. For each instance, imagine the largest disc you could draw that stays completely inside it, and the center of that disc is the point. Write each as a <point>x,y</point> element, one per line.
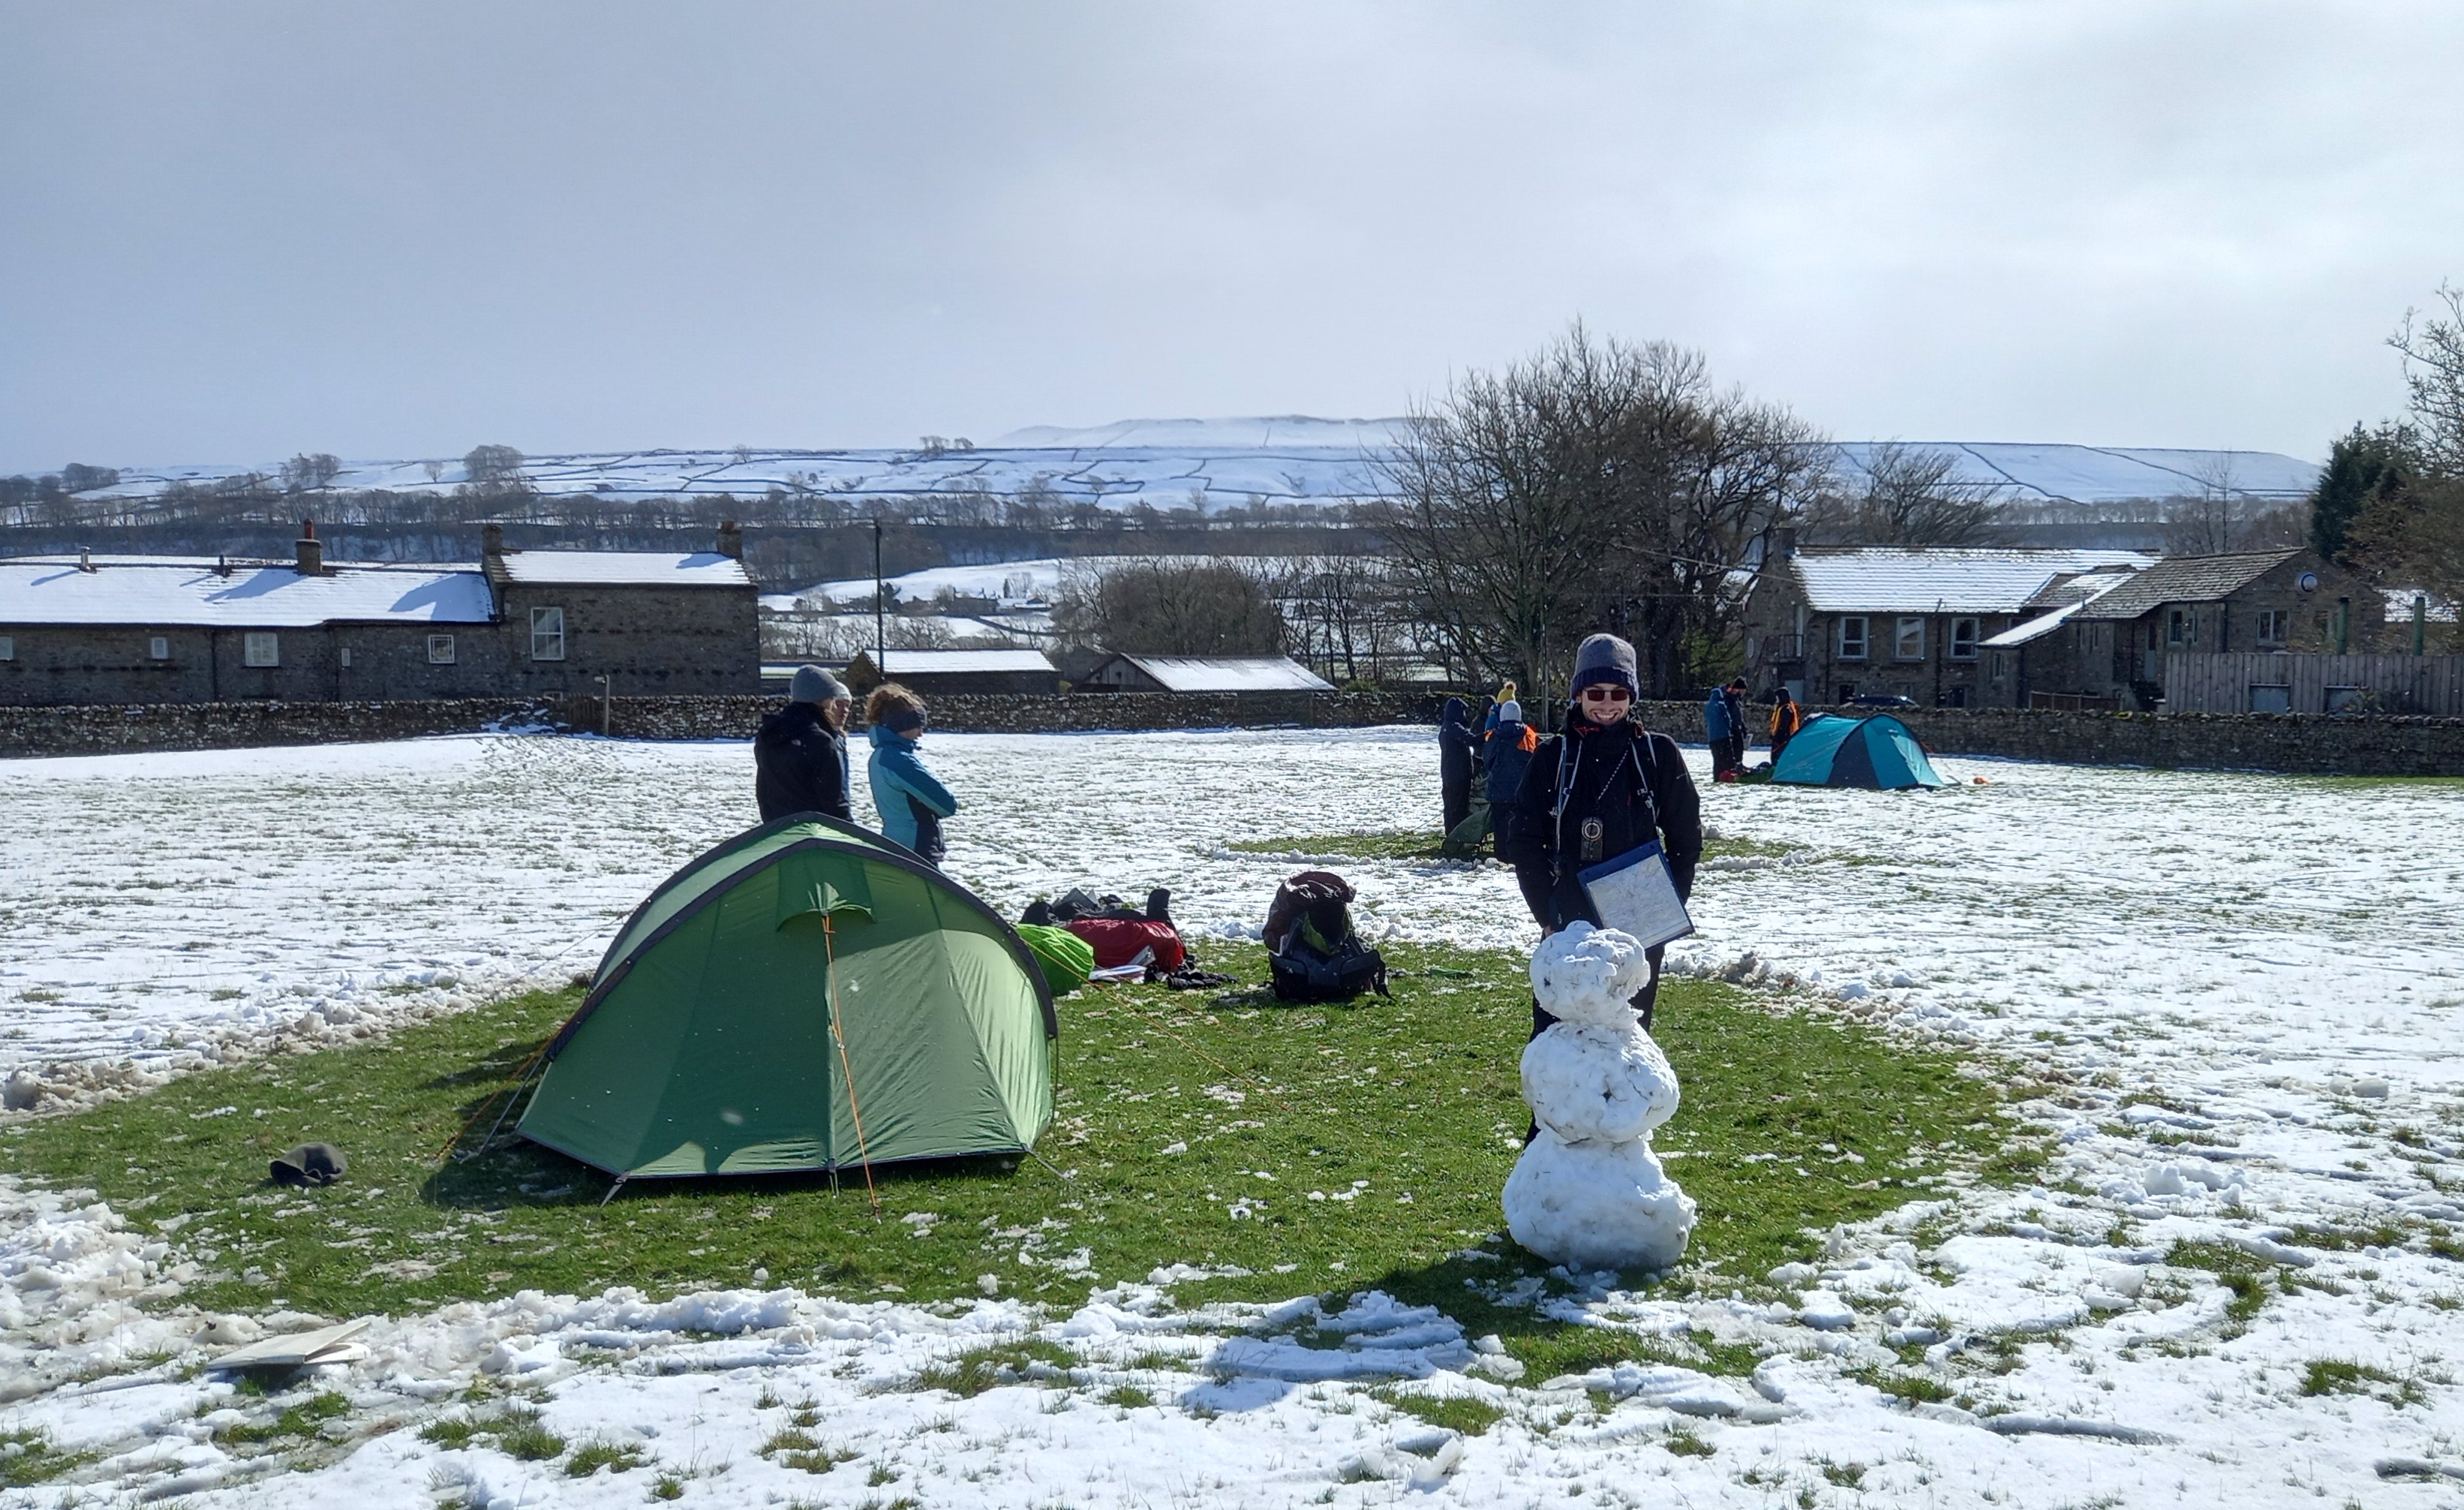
<point>1622,775</point>
<point>800,765</point>
<point>1458,745</point>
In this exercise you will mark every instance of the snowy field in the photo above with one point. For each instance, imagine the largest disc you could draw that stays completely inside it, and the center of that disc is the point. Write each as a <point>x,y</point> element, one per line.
<point>2254,984</point>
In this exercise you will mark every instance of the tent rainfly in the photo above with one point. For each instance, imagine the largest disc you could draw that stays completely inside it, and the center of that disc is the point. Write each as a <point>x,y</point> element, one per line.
<point>807,995</point>
<point>1877,752</point>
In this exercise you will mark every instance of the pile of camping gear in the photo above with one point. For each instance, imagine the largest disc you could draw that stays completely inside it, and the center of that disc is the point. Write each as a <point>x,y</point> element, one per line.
<point>1105,938</point>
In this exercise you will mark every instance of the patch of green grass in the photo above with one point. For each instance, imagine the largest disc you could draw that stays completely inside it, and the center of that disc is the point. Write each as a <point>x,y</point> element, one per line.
<point>525,1438</point>
<point>799,1449</point>
<point>298,1420</point>
<point>1129,1397</point>
<point>1847,1476</point>
<point>28,1457</point>
<point>971,1373</point>
<point>667,1486</point>
<point>601,1451</point>
<point>1455,1412</point>
<point>1685,1444</point>
<point>2325,1376</point>
<point>1914,1388</point>
<point>2348,1239</point>
<point>1405,1114</point>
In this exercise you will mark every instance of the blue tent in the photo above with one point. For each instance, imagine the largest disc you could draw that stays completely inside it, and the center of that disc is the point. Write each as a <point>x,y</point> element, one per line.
<point>1877,752</point>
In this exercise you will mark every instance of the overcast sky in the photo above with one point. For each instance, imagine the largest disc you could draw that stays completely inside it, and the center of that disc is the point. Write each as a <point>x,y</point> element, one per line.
<point>231,232</point>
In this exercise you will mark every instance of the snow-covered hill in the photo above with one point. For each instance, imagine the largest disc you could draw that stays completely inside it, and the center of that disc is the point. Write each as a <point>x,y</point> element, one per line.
<point>1222,463</point>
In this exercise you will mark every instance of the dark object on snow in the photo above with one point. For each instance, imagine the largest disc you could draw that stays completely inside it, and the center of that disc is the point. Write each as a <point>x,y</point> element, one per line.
<point>800,765</point>
<point>310,1164</point>
<point>1190,978</point>
<point>1076,904</point>
<point>1312,953</point>
<point>1458,747</point>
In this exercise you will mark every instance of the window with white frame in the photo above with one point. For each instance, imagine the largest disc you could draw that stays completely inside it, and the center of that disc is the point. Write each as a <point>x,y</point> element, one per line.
<point>547,634</point>
<point>1852,637</point>
<point>1963,636</point>
<point>1911,644</point>
<point>261,648</point>
<point>2272,624</point>
<point>159,648</point>
<point>440,650</point>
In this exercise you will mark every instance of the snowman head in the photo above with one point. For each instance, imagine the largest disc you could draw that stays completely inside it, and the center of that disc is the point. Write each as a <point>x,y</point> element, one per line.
<point>1582,974</point>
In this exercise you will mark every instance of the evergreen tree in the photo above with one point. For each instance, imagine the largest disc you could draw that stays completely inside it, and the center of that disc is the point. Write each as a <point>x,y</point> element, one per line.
<point>2365,467</point>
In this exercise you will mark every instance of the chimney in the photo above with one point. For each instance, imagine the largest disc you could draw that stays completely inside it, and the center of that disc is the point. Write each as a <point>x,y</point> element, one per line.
<point>1783,543</point>
<point>222,565</point>
<point>731,539</point>
<point>312,550</point>
<point>85,557</point>
<point>492,541</point>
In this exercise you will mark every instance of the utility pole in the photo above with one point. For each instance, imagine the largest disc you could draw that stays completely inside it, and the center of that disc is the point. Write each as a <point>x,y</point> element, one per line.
<point>880,645</point>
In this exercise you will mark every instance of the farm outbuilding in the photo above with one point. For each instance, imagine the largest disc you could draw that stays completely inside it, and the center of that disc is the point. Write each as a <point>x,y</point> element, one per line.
<point>955,672</point>
<point>1202,674</point>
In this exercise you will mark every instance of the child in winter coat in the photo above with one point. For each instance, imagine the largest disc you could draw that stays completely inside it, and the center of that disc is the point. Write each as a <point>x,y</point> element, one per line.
<point>911,802</point>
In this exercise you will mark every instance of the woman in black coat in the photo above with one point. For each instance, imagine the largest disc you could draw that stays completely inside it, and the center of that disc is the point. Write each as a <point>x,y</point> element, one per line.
<point>1610,770</point>
<point>1458,747</point>
<point>800,761</point>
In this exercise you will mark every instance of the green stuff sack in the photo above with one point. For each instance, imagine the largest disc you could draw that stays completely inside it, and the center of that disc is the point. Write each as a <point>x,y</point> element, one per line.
<point>1067,958</point>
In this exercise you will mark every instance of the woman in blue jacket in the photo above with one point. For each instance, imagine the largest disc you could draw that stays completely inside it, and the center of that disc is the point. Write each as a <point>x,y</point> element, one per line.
<point>911,802</point>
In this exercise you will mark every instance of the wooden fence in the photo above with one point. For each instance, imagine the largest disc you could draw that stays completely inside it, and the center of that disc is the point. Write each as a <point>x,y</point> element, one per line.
<point>2206,682</point>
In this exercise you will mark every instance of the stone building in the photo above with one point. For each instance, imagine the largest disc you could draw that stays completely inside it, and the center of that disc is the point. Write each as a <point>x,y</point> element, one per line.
<point>2107,649</point>
<point>147,629</point>
<point>1833,623</point>
<point>951,672</point>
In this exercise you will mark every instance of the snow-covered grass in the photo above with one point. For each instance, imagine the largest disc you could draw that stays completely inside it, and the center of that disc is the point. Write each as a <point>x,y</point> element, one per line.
<point>2238,1279</point>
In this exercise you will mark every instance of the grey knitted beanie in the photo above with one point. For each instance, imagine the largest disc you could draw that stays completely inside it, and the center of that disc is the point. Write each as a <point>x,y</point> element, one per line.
<point>813,684</point>
<point>1604,657</point>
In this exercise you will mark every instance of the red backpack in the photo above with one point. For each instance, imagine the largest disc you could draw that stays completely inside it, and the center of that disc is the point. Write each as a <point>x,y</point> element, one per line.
<point>1117,940</point>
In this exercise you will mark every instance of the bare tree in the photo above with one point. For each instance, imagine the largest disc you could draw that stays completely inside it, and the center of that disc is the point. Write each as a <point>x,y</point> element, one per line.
<point>1911,496</point>
<point>1597,486</point>
<point>2434,371</point>
<point>493,464</point>
<point>308,472</point>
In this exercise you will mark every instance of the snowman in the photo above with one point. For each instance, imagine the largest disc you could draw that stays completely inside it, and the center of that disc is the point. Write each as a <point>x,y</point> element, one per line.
<point>1588,1191</point>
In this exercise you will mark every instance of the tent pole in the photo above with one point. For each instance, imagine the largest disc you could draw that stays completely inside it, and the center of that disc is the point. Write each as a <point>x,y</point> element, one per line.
<point>855,1113</point>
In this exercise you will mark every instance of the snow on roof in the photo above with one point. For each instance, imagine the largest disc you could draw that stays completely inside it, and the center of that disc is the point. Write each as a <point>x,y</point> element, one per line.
<point>1898,579</point>
<point>2035,629</point>
<point>958,662</point>
<point>1230,674</point>
<point>623,568</point>
<point>2186,579</point>
<point>168,592</point>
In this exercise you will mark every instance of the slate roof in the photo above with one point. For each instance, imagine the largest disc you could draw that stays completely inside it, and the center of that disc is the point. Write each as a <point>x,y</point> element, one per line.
<point>175,591</point>
<point>1896,579</point>
<point>2186,579</point>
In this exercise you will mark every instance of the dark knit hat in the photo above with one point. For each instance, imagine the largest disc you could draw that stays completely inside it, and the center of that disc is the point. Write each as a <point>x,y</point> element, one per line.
<point>310,1164</point>
<point>1604,657</point>
<point>898,720</point>
<point>813,684</point>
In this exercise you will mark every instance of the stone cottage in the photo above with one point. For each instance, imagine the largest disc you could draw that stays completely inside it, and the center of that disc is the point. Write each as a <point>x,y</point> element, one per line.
<point>91,629</point>
<point>1832,623</point>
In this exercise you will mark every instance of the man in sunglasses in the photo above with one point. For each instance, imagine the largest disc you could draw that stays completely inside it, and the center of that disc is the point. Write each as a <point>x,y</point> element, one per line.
<point>1602,788</point>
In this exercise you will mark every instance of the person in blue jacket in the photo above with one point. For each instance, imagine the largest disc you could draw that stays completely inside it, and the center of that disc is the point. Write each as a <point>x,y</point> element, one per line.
<point>911,801</point>
<point>1715,728</point>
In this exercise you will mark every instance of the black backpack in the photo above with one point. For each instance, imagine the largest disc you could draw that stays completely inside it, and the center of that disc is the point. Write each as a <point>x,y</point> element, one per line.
<point>1311,952</point>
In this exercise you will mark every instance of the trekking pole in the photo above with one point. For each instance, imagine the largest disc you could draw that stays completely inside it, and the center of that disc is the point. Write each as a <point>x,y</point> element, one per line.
<point>855,1112</point>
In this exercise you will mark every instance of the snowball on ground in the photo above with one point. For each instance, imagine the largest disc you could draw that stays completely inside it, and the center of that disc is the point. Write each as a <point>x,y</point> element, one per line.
<point>1597,1205</point>
<point>1589,1082</point>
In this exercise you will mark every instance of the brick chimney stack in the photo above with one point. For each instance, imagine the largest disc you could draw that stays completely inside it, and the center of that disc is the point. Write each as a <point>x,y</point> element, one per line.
<point>312,550</point>
<point>492,541</point>
<point>731,539</point>
<point>1783,543</point>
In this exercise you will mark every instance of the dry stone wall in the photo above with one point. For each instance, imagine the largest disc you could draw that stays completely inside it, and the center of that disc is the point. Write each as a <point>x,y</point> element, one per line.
<point>2297,744</point>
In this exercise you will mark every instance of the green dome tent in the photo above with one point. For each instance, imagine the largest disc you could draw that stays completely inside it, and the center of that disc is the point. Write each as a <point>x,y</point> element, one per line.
<point>1877,752</point>
<point>705,1045</point>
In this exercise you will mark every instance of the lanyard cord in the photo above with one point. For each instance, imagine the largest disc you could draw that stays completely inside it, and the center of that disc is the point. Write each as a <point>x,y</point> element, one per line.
<point>855,1113</point>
